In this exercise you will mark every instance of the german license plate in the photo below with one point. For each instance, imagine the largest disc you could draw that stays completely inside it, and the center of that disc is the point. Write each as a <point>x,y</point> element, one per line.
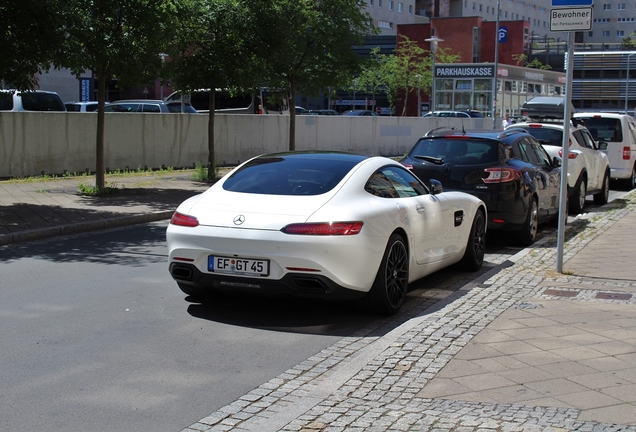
<point>238,266</point>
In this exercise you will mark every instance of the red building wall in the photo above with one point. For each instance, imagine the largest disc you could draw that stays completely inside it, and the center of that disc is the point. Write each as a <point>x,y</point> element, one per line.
<point>457,35</point>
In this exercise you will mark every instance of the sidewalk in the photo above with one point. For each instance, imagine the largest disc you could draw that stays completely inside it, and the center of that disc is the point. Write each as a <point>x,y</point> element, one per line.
<point>32,210</point>
<point>520,348</point>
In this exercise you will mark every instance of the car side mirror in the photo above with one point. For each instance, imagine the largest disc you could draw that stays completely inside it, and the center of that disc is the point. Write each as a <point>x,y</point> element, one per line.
<point>556,161</point>
<point>602,145</point>
<point>436,187</point>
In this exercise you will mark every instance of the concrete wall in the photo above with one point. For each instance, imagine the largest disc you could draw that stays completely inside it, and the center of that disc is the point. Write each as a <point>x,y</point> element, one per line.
<point>53,143</point>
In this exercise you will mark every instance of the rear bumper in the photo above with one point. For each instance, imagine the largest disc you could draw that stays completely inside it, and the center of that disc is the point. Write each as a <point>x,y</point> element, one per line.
<point>292,284</point>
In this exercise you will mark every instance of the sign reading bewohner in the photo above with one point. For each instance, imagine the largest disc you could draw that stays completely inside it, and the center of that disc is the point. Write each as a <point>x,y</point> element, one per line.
<point>571,19</point>
<point>469,70</point>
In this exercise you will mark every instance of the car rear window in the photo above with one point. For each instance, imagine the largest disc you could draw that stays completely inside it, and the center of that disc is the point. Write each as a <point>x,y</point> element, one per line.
<point>458,151</point>
<point>546,135</point>
<point>605,129</point>
<point>289,176</point>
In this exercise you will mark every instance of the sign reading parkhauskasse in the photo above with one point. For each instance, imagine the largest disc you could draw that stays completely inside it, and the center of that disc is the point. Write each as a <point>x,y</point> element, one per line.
<point>470,70</point>
<point>571,19</point>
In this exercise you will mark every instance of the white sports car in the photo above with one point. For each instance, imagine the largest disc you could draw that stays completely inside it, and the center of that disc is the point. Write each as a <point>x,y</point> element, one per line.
<point>322,224</point>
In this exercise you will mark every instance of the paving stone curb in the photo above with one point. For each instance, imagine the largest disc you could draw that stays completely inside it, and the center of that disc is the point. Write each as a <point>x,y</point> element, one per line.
<point>370,383</point>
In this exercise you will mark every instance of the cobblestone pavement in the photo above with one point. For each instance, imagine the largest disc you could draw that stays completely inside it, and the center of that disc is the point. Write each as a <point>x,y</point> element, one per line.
<point>372,380</point>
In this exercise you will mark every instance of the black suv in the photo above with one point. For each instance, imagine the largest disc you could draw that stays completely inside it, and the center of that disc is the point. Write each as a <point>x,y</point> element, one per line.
<point>509,170</point>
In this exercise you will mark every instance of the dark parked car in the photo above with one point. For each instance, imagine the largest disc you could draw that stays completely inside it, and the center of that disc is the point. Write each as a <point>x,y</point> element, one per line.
<point>510,171</point>
<point>149,106</point>
<point>365,113</point>
<point>467,113</point>
<point>324,112</point>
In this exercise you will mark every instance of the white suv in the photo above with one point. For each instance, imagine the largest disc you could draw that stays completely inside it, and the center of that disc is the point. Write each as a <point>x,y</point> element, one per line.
<point>619,131</point>
<point>588,167</point>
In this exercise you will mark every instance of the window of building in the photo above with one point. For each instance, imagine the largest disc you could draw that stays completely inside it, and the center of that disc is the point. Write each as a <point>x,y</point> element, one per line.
<point>410,9</point>
<point>400,7</point>
<point>391,5</point>
<point>607,6</point>
<point>370,2</point>
<point>379,3</point>
<point>590,34</point>
<point>480,8</point>
<point>606,33</point>
<point>620,6</point>
<point>620,33</point>
<point>385,24</point>
<point>474,6</point>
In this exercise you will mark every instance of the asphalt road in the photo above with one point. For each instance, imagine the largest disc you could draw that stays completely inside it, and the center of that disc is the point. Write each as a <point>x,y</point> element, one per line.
<point>96,336</point>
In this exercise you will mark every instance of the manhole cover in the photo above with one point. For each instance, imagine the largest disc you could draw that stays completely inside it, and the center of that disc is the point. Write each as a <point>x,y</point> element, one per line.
<point>613,296</point>
<point>561,293</point>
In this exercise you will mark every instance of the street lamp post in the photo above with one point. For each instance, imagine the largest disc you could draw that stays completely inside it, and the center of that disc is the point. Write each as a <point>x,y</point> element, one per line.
<point>494,81</point>
<point>434,40</point>
<point>419,95</point>
<point>629,59</point>
<point>355,85</point>
<point>163,60</point>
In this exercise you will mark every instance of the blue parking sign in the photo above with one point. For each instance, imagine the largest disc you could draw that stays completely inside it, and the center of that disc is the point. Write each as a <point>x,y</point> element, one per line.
<point>572,2</point>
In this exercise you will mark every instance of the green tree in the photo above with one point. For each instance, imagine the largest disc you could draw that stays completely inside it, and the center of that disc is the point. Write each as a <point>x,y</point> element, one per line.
<point>31,34</point>
<point>219,44</point>
<point>409,69</point>
<point>316,40</point>
<point>120,39</point>
<point>372,75</point>
<point>522,60</point>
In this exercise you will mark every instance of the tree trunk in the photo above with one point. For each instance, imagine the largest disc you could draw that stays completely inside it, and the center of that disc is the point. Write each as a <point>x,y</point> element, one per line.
<point>211,162</point>
<point>100,183</point>
<point>292,118</point>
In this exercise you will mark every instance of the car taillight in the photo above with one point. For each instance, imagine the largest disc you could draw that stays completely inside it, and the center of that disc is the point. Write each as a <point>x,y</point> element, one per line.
<point>407,165</point>
<point>183,220</point>
<point>501,175</point>
<point>324,228</point>
<point>627,153</point>
<point>571,155</point>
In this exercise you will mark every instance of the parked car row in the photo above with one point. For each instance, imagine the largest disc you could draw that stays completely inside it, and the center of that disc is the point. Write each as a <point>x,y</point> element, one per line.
<point>41,100</point>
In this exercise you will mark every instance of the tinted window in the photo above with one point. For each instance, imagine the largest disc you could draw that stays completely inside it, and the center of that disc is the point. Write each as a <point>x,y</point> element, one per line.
<point>175,107</point>
<point>394,182</point>
<point>6,102</point>
<point>289,176</point>
<point>542,155</point>
<point>583,138</point>
<point>128,107</point>
<point>42,102</point>
<point>153,108</point>
<point>458,151</point>
<point>73,107</point>
<point>546,135</point>
<point>605,129</point>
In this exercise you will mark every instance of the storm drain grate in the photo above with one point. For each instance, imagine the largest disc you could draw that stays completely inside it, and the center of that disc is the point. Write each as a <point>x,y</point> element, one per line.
<point>561,293</point>
<point>613,296</point>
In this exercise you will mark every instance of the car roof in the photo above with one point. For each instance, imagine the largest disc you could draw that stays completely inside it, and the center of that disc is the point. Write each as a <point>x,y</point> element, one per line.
<point>499,135</point>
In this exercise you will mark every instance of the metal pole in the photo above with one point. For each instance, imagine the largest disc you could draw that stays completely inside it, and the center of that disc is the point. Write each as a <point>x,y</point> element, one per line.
<point>629,59</point>
<point>433,41</point>
<point>494,81</point>
<point>565,144</point>
<point>419,96</point>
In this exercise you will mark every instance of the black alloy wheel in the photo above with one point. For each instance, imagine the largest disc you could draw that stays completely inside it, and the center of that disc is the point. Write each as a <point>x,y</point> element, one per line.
<point>476,248</point>
<point>528,233</point>
<point>389,288</point>
<point>603,196</point>
<point>578,197</point>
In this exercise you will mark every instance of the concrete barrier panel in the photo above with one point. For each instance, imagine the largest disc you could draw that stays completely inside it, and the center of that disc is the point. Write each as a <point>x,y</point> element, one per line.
<point>53,143</point>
